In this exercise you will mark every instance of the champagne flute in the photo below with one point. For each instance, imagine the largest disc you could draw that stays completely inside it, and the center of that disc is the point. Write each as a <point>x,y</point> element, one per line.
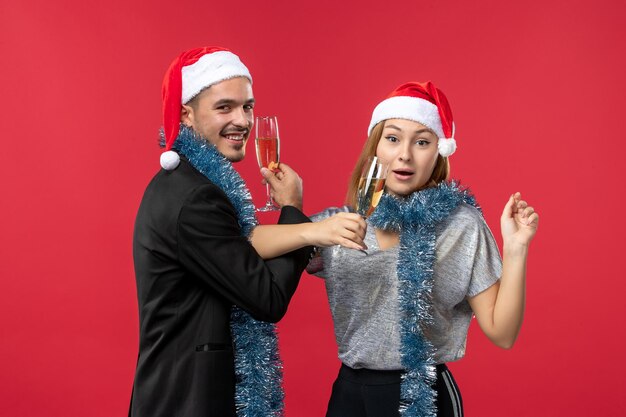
<point>371,185</point>
<point>267,151</point>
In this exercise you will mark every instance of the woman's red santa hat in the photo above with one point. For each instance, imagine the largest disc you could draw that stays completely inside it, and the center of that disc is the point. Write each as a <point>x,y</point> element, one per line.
<point>422,103</point>
<point>189,74</point>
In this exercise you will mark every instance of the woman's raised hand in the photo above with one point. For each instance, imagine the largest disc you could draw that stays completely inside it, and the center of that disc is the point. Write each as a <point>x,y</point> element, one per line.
<point>519,221</point>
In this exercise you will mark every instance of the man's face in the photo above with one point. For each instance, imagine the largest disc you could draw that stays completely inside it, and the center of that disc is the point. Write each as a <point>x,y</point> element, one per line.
<point>223,115</point>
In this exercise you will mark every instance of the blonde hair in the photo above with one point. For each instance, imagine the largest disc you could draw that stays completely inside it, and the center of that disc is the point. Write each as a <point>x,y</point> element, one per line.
<point>441,172</point>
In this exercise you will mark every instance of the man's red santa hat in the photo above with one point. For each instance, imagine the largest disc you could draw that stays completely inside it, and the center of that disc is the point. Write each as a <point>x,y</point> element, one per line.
<point>190,73</point>
<point>422,103</point>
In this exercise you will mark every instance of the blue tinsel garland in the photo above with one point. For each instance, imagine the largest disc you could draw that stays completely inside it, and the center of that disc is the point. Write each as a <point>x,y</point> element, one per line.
<point>258,367</point>
<point>415,218</point>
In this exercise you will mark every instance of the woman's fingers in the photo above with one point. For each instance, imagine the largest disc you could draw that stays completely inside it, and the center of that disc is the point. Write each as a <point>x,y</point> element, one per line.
<point>348,229</point>
<point>533,218</point>
<point>355,237</point>
<point>347,243</point>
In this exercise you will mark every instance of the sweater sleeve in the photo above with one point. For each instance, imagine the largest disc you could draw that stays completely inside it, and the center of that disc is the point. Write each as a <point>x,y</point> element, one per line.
<point>468,260</point>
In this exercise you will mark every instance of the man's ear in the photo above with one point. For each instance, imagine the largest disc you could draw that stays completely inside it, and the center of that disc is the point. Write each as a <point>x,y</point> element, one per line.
<point>186,115</point>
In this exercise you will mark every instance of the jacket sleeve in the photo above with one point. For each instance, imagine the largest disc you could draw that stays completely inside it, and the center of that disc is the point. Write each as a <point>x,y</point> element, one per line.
<point>212,249</point>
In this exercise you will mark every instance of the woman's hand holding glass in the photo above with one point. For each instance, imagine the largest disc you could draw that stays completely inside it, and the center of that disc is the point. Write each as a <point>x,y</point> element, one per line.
<point>345,229</point>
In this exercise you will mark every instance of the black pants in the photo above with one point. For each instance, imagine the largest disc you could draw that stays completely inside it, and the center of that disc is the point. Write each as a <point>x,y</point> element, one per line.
<point>369,393</point>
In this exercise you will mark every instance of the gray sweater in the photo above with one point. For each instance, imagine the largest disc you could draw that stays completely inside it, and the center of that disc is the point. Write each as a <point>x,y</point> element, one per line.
<point>362,290</point>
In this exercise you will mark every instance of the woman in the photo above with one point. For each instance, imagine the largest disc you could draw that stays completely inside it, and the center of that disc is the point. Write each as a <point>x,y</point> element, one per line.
<point>402,307</point>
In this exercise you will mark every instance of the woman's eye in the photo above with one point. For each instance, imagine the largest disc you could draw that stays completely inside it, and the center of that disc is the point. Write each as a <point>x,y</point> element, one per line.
<point>422,142</point>
<point>391,138</point>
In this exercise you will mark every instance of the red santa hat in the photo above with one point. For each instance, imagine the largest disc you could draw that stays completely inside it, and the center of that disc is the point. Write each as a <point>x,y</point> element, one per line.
<point>423,103</point>
<point>190,73</point>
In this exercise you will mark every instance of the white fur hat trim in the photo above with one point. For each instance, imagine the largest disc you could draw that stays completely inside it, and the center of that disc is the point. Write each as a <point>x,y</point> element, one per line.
<point>170,160</point>
<point>409,108</point>
<point>211,69</point>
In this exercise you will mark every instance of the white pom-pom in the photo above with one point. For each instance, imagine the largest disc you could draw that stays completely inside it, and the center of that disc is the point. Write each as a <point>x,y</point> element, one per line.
<point>446,146</point>
<point>170,160</point>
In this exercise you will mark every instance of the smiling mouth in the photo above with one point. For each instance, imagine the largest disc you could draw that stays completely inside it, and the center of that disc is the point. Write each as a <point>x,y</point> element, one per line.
<point>235,137</point>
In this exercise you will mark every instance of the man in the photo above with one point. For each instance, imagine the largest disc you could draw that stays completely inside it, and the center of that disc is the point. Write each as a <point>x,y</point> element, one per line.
<point>193,259</point>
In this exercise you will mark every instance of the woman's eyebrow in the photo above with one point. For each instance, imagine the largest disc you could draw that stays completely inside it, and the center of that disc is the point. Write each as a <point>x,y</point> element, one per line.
<point>417,132</point>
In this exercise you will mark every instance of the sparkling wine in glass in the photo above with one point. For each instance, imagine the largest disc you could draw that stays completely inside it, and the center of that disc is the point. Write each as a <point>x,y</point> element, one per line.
<point>371,185</point>
<point>267,151</point>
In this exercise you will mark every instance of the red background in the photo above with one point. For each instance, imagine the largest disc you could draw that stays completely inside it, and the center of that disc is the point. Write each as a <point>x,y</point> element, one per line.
<point>538,92</point>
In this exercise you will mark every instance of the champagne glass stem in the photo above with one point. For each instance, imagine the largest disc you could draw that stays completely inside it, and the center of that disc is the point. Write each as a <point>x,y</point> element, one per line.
<point>270,201</point>
<point>269,204</point>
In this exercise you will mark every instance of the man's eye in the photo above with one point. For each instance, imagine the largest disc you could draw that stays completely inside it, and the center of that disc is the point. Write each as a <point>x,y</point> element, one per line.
<point>248,106</point>
<point>224,108</point>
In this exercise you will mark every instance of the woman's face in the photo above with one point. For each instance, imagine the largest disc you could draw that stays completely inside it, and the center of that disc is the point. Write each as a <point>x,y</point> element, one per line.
<point>410,149</point>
